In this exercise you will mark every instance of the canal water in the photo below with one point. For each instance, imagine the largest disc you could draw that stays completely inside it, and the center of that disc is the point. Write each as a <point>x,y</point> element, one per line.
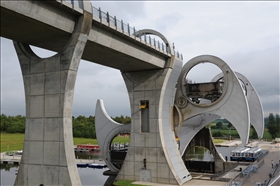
<point>95,177</point>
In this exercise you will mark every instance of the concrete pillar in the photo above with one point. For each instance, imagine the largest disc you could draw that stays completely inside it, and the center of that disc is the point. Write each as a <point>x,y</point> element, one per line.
<point>153,154</point>
<point>48,154</point>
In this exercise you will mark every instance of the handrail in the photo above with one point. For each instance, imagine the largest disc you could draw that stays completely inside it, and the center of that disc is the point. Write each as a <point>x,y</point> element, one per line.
<point>124,28</point>
<point>127,29</point>
<point>76,3</point>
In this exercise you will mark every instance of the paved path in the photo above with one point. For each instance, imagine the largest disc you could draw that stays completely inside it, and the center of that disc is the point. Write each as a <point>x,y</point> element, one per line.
<point>263,172</point>
<point>192,182</point>
<point>264,168</point>
<point>232,143</point>
<point>256,177</point>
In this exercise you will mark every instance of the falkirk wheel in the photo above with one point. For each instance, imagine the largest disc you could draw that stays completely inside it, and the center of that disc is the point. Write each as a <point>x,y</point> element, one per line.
<point>229,95</point>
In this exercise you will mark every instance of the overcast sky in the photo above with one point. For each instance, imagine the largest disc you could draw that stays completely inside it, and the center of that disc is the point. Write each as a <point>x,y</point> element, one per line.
<point>243,34</point>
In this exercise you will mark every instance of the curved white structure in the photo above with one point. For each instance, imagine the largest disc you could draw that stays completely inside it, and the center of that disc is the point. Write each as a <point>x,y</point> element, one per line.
<point>191,127</point>
<point>107,129</point>
<point>185,119</point>
<point>232,104</point>
<point>152,136</point>
<point>139,33</point>
<point>255,106</point>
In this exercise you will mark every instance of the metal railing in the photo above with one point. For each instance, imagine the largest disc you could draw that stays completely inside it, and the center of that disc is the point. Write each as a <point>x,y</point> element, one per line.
<point>76,3</point>
<point>125,28</point>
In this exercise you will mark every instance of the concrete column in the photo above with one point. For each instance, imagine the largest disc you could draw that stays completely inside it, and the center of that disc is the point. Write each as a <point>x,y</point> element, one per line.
<point>152,138</point>
<point>48,154</point>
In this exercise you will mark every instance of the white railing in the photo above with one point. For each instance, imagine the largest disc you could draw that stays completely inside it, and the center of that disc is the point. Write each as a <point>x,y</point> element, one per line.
<point>125,28</point>
<point>76,3</point>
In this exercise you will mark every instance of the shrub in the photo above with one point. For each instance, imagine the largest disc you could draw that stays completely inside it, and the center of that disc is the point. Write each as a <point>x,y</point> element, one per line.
<point>217,134</point>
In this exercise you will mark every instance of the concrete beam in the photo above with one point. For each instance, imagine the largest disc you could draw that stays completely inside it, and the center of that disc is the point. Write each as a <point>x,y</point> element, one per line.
<point>52,24</point>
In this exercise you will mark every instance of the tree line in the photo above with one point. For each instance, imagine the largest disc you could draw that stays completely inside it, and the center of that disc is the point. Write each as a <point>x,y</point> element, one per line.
<point>272,123</point>
<point>83,127</point>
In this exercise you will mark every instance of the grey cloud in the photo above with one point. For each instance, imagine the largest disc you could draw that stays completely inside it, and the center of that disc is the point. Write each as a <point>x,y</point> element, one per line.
<point>99,82</point>
<point>244,34</point>
<point>123,10</point>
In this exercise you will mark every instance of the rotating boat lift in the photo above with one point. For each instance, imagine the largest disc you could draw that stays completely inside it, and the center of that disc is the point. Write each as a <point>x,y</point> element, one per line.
<point>229,95</point>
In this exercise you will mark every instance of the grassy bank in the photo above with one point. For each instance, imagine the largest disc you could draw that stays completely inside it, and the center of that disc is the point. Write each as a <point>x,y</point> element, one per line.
<point>14,142</point>
<point>234,133</point>
<point>11,142</point>
<point>125,183</point>
<point>216,141</point>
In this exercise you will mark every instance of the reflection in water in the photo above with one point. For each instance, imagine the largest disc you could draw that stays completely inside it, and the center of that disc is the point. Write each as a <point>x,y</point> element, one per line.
<point>203,154</point>
<point>7,167</point>
<point>90,176</point>
<point>90,155</point>
<point>8,173</point>
<point>199,153</point>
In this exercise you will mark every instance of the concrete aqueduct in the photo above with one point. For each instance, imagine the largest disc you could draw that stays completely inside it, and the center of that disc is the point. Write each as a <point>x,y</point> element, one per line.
<point>162,103</point>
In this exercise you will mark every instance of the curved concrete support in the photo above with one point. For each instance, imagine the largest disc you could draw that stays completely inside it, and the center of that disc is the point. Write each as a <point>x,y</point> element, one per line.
<point>106,130</point>
<point>48,156</point>
<point>152,135</point>
<point>139,33</point>
<point>255,106</point>
<point>167,135</point>
<point>232,104</point>
<point>191,127</point>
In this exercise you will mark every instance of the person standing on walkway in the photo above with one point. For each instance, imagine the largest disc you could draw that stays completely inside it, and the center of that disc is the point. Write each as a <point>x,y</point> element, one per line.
<point>272,163</point>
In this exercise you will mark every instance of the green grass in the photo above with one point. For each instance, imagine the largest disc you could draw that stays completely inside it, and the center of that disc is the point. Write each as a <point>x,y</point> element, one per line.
<point>84,141</point>
<point>121,139</point>
<point>125,183</point>
<point>11,142</point>
<point>232,132</point>
<point>94,141</point>
<point>14,142</point>
<point>216,141</point>
<point>266,135</point>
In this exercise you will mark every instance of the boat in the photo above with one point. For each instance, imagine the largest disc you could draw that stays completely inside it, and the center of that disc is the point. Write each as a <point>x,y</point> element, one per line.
<point>96,166</point>
<point>86,148</point>
<point>238,154</point>
<point>246,154</point>
<point>253,154</point>
<point>82,165</point>
<point>19,152</point>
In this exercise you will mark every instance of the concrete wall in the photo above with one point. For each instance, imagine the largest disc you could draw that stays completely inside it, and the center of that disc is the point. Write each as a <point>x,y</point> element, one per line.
<point>48,154</point>
<point>158,146</point>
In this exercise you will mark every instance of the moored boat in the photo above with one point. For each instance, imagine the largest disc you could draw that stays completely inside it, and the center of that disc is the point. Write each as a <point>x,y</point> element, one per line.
<point>86,148</point>
<point>82,165</point>
<point>97,166</point>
